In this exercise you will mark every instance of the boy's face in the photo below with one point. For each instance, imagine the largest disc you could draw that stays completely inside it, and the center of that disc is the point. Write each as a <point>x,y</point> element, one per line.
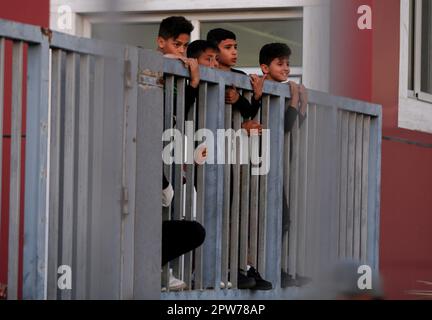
<point>228,53</point>
<point>209,58</point>
<point>176,46</point>
<point>278,70</point>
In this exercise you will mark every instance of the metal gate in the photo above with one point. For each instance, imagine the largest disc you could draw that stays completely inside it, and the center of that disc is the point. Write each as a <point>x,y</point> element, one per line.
<point>92,211</point>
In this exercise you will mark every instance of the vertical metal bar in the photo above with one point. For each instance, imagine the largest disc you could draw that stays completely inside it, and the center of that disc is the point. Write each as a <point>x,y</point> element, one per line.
<point>35,211</point>
<point>148,217</point>
<point>311,209</point>
<point>418,46</point>
<point>320,193</point>
<point>364,190</point>
<point>245,179</point>
<point>316,191</point>
<point>331,221</point>
<point>214,191</point>
<point>337,181</point>
<point>344,186</point>
<point>178,168</point>
<point>97,158</point>
<point>244,214</point>
<point>374,191</point>
<point>274,191</point>
<point>302,201</point>
<point>180,117</point>
<point>69,170</point>
<point>294,201</point>
<point>286,198</point>
<point>168,124</point>
<point>253,221</point>
<point>358,185</point>
<point>351,184</point>
<point>263,200</point>
<point>54,175</point>
<point>83,183</point>
<point>190,190</point>
<point>129,174</point>
<point>350,189</point>
<point>15,170</point>
<point>109,225</point>
<point>226,201</point>
<point>235,205</point>
<point>201,187</point>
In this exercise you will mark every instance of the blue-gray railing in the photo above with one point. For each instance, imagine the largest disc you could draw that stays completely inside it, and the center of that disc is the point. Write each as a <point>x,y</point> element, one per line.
<point>318,204</point>
<point>101,168</point>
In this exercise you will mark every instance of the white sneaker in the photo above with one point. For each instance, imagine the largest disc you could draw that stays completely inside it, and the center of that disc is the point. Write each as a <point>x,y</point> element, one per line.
<point>176,284</point>
<point>167,196</point>
<point>229,285</point>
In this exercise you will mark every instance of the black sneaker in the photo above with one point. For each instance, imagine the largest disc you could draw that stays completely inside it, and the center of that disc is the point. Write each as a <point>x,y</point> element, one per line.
<point>261,284</point>
<point>287,280</point>
<point>245,282</point>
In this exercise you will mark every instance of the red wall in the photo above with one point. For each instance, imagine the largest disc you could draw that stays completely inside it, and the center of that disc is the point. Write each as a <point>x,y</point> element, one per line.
<point>31,12</point>
<point>26,11</point>
<point>368,69</point>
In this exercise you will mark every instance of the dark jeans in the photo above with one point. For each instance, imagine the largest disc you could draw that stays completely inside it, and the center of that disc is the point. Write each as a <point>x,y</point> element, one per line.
<point>180,237</point>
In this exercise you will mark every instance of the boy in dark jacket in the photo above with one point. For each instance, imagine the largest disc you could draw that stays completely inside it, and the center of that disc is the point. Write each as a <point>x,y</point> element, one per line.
<point>227,44</point>
<point>172,41</point>
<point>274,63</point>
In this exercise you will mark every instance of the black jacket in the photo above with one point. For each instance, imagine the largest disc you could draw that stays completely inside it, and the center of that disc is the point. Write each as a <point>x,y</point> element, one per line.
<point>247,110</point>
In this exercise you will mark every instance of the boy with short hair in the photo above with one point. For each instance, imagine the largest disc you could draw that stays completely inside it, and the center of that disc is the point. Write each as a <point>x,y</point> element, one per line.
<point>228,54</point>
<point>227,44</point>
<point>206,53</point>
<point>172,41</point>
<point>274,63</point>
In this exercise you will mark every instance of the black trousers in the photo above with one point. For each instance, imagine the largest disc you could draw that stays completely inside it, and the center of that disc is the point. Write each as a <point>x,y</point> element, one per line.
<point>180,237</point>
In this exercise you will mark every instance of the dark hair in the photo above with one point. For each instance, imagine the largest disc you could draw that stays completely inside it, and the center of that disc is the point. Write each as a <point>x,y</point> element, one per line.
<point>196,48</point>
<point>219,34</point>
<point>174,26</point>
<point>272,51</point>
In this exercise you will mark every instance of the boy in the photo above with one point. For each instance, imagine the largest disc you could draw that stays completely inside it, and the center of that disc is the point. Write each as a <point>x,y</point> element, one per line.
<point>206,53</point>
<point>274,63</point>
<point>227,44</point>
<point>172,41</point>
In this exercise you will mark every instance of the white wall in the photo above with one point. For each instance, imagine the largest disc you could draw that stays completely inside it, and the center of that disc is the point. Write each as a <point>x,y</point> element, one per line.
<point>316,21</point>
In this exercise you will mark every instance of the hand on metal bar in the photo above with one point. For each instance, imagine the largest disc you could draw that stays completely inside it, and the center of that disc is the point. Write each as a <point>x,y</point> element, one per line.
<point>257,85</point>
<point>231,95</point>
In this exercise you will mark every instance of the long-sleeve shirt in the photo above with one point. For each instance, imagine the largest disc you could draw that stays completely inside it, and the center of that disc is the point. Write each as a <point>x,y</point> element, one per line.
<point>291,114</point>
<point>247,110</point>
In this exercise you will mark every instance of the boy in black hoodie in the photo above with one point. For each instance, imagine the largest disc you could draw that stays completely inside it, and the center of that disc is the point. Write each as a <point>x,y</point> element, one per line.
<point>172,41</point>
<point>274,63</point>
<point>227,44</point>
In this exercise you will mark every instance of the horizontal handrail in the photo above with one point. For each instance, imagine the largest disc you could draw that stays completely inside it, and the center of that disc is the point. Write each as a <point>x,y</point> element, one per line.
<point>37,35</point>
<point>175,67</point>
<point>20,31</point>
<point>86,46</point>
